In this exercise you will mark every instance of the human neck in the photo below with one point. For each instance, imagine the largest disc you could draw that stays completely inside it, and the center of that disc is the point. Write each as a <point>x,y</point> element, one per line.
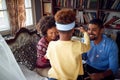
<point>48,39</point>
<point>65,37</point>
<point>97,41</point>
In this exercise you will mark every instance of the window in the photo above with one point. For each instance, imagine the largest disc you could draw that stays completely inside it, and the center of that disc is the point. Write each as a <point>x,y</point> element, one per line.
<point>4,16</point>
<point>29,15</point>
<point>4,21</point>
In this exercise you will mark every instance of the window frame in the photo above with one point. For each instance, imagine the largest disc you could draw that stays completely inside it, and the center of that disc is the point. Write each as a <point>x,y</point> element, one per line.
<point>5,31</point>
<point>33,15</point>
<point>8,32</point>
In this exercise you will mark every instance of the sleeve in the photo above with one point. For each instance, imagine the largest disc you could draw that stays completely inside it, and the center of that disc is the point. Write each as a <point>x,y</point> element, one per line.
<point>86,45</point>
<point>41,51</point>
<point>113,58</point>
<point>48,52</point>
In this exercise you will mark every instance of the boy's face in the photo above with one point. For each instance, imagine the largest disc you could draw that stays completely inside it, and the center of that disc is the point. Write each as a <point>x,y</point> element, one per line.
<point>94,32</point>
<point>52,33</point>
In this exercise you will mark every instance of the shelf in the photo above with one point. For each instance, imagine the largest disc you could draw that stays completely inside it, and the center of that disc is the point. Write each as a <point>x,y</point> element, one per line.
<point>110,27</point>
<point>88,9</point>
<point>46,1</point>
<point>113,28</point>
<point>108,10</point>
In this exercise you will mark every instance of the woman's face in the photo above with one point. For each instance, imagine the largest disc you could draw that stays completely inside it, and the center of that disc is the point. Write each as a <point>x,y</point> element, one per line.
<point>52,33</point>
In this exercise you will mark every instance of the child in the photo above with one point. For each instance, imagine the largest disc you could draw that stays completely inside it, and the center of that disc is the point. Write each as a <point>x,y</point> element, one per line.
<point>65,54</point>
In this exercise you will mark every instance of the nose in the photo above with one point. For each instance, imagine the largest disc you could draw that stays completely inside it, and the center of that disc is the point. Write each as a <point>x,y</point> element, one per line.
<point>89,31</point>
<point>54,34</point>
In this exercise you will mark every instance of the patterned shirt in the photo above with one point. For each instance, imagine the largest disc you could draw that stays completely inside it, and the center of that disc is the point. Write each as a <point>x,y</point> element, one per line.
<point>41,51</point>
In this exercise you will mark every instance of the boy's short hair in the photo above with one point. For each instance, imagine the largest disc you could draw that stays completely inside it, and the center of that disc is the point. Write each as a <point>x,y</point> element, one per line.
<point>65,19</point>
<point>65,16</point>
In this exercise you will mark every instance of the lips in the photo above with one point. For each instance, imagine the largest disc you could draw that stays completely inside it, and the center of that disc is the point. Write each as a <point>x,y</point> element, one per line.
<point>91,35</point>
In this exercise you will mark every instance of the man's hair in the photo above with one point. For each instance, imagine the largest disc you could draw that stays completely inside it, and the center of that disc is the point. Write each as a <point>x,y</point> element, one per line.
<point>65,16</point>
<point>45,23</point>
<point>97,22</point>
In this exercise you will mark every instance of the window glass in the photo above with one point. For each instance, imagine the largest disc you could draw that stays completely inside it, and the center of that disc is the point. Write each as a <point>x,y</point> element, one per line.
<point>27,3</point>
<point>29,18</point>
<point>4,21</point>
<point>2,5</point>
<point>4,18</point>
<point>29,14</point>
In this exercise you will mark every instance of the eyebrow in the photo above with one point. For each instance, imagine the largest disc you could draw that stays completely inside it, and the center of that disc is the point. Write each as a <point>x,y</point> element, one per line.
<point>93,28</point>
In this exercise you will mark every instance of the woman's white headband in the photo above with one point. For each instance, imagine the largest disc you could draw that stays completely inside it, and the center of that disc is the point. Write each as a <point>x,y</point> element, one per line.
<point>65,27</point>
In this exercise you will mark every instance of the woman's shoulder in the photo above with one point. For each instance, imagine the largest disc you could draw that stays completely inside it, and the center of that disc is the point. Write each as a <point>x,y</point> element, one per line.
<point>43,41</point>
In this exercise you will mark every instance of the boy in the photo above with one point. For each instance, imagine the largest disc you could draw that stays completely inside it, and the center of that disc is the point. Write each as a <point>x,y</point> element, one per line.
<point>65,54</point>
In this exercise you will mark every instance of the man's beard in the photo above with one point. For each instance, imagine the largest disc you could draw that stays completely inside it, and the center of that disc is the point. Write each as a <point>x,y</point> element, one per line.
<point>92,37</point>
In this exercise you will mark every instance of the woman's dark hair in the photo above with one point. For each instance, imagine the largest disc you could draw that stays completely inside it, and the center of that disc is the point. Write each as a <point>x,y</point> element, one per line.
<point>97,22</point>
<point>46,23</point>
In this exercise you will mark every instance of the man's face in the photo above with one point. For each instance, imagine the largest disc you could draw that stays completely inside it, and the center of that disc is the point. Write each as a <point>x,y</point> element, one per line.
<point>94,32</point>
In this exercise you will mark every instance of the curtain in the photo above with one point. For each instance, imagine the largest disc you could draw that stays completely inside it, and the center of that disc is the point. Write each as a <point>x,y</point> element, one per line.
<point>9,68</point>
<point>17,14</point>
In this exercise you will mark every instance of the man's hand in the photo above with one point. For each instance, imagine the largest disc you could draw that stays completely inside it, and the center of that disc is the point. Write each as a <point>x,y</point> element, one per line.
<point>96,76</point>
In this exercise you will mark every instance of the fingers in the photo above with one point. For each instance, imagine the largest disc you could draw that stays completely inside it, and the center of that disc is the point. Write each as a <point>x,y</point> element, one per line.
<point>79,28</point>
<point>94,76</point>
<point>86,78</point>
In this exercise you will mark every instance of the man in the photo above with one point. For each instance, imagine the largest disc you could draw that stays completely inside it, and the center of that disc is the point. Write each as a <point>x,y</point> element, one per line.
<point>102,58</point>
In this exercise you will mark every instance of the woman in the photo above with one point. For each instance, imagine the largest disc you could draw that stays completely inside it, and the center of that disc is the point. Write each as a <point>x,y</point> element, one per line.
<point>49,33</point>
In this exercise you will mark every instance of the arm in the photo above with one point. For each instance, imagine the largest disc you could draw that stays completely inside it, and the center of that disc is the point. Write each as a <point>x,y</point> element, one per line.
<point>41,47</point>
<point>41,51</point>
<point>99,76</point>
<point>113,58</point>
<point>86,44</point>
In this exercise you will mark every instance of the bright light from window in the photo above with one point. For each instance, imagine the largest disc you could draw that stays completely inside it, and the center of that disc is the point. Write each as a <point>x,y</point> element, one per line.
<point>4,18</point>
<point>4,22</point>
<point>29,15</point>
<point>29,18</point>
<point>27,3</point>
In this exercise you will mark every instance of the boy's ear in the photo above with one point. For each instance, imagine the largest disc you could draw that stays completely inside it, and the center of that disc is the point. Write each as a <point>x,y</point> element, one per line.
<point>73,30</point>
